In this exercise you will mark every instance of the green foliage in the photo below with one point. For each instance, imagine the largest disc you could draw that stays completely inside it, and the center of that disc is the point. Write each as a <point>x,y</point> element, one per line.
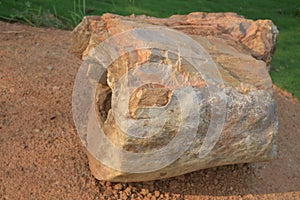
<point>37,14</point>
<point>33,15</point>
<point>66,14</point>
<point>75,15</point>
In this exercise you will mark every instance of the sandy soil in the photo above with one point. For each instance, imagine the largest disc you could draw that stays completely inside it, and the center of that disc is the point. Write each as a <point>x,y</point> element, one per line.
<point>41,156</point>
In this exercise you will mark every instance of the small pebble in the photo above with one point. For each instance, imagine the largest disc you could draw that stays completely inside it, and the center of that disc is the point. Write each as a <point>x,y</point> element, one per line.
<point>118,186</point>
<point>144,191</point>
<point>216,182</point>
<point>128,191</point>
<point>36,130</point>
<point>50,67</point>
<point>55,88</point>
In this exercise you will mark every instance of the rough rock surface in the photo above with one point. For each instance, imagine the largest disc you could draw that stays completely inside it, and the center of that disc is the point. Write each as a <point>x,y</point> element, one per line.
<point>241,49</point>
<point>256,37</point>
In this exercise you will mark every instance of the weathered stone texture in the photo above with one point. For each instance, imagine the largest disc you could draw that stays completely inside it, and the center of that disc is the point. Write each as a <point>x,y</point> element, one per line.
<point>242,50</point>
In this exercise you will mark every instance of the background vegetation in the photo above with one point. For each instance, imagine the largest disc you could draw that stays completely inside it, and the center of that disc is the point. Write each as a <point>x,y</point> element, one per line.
<point>66,14</point>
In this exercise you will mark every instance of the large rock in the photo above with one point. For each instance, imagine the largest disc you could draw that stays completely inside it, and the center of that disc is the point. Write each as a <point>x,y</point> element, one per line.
<point>201,129</point>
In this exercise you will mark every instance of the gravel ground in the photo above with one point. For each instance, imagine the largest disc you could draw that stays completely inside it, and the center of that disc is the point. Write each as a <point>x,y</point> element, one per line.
<point>41,156</point>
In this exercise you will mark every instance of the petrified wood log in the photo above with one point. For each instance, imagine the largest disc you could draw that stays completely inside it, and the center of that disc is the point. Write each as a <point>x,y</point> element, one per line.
<point>172,119</point>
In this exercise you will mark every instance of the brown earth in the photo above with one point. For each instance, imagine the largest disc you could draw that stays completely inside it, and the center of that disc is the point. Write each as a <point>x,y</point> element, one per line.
<point>42,157</point>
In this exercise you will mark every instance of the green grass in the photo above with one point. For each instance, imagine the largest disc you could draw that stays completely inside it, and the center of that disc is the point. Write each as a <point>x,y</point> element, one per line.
<point>285,14</point>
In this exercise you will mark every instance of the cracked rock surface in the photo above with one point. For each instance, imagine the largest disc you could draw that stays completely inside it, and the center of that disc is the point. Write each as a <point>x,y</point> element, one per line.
<point>241,49</point>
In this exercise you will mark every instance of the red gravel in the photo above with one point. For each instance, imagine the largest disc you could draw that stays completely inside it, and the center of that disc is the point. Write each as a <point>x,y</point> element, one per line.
<point>41,156</point>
